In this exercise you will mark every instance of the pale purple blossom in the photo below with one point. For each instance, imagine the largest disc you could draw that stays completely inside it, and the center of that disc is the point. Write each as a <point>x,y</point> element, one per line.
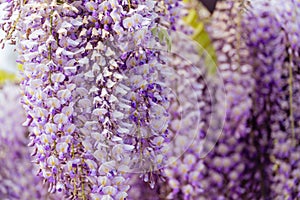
<point>18,178</point>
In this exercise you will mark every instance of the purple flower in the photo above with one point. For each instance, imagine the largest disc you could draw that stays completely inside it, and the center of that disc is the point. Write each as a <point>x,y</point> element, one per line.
<point>280,70</point>
<point>18,178</point>
<point>70,54</point>
<point>226,169</point>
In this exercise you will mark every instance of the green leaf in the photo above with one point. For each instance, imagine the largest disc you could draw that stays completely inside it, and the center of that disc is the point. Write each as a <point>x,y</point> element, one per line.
<point>20,67</point>
<point>154,31</point>
<point>202,38</point>
<point>167,38</point>
<point>191,18</point>
<point>6,76</point>
<point>163,36</point>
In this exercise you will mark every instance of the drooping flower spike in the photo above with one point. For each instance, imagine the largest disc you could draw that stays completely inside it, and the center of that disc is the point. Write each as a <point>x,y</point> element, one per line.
<point>18,178</point>
<point>73,59</point>
<point>278,59</point>
<point>225,173</point>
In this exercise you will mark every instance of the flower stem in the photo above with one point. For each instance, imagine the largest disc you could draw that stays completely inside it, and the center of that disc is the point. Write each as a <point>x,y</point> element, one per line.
<point>82,182</point>
<point>51,29</point>
<point>239,30</point>
<point>129,4</point>
<point>290,81</point>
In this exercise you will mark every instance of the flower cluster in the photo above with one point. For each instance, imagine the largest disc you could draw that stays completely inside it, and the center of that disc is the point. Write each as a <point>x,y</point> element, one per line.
<point>18,178</point>
<point>266,41</point>
<point>226,170</point>
<point>186,104</point>
<point>119,104</point>
<point>182,173</point>
<point>285,128</point>
<point>84,91</point>
<point>256,157</point>
<point>277,61</point>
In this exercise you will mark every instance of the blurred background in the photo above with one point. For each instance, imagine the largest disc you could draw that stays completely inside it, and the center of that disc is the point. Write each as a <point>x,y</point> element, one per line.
<point>7,55</point>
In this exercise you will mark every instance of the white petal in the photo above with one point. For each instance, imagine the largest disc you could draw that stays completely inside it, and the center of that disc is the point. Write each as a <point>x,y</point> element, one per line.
<point>117,115</point>
<point>99,111</point>
<point>110,83</point>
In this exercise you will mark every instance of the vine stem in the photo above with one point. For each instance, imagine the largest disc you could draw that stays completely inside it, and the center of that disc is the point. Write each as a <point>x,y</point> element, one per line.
<point>51,30</point>
<point>290,81</point>
<point>12,30</point>
<point>82,182</point>
<point>238,34</point>
<point>129,4</point>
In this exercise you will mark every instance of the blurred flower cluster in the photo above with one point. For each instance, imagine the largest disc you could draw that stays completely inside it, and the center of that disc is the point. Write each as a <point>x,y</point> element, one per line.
<point>18,178</point>
<point>123,100</point>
